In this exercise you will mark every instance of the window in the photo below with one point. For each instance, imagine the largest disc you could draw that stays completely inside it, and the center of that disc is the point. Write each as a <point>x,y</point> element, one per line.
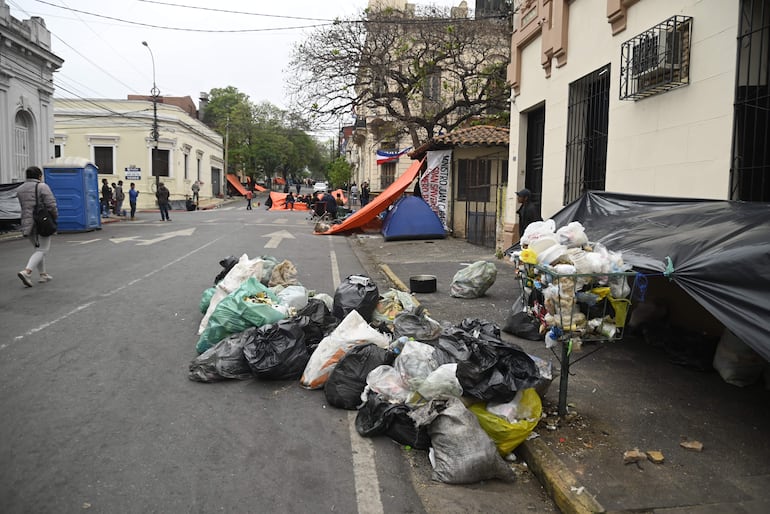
<point>160,162</point>
<point>473,180</point>
<point>104,159</point>
<point>57,151</point>
<point>587,125</point>
<point>387,174</point>
<point>186,166</point>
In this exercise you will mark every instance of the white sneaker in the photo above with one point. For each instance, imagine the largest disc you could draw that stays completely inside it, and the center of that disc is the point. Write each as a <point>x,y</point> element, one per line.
<point>45,277</point>
<point>25,277</point>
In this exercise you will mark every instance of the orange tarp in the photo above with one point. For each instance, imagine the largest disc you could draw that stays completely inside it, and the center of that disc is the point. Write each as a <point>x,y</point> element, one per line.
<point>370,211</point>
<point>279,203</point>
<point>239,187</point>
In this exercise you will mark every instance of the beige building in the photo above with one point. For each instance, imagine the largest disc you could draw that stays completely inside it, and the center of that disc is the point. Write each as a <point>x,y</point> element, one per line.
<point>117,136</point>
<point>651,97</point>
<point>26,94</point>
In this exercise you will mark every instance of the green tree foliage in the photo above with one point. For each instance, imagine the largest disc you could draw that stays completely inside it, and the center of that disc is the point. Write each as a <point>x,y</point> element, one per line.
<point>425,72</point>
<point>339,171</point>
<point>263,140</point>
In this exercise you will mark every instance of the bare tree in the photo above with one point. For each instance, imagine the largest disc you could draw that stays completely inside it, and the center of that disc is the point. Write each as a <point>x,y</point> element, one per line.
<point>424,73</point>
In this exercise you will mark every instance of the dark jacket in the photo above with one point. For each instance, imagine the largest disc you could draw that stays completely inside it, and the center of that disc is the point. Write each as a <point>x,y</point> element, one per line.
<point>162,194</point>
<point>528,212</point>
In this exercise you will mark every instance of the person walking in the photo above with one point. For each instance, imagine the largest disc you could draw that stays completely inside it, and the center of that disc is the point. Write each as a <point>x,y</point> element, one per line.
<point>133,194</point>
<point>364,194</point>
<point>119,197</point>
<point>106,198</point>
<point>163,195</point>
<point>249,196</point>
<point>196,189</point>
<point>299,186</point>
<point>528,211</point>
<point>29,193</point>
<point>353,193</point>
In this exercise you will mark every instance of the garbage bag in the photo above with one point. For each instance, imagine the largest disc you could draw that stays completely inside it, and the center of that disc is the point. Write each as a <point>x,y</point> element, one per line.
<point>522,325</point>
<point>386,381</point>
<point>473,280</point>
<point>352,331</point>
<point>462,452</point>
<point>278,351</point>
<point>415,363</point>
<point>417,325</point>
<point>356,292</point>
<point>224,360</point>
<point>348,379</point>
<point>227,264</point>
<point>206,299</point>
<point>440,383</point>
<point>378,416</point>
<point>238,311</point>
<point>284,273</point>
<point>391,304</point>
<point>237,275</point>
<point>268,263</point>
<point>510,433</point>
<point>291,298</point>
<point>320,322</point>
<point>494,370</point>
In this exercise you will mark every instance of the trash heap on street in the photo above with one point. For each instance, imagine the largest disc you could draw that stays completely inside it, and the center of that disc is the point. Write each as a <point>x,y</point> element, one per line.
<point>455,390</point>
<point>572,289</point>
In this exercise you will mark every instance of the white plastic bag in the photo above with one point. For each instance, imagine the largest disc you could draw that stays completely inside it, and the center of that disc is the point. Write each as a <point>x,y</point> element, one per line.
<point>572,235</point>
<point>441,383</point>
<point>242,271</point>
<point>386,381</point>
<point>415,362</point>
<point>473,280</point>
<point>538,229</point>
<point>352,331</point>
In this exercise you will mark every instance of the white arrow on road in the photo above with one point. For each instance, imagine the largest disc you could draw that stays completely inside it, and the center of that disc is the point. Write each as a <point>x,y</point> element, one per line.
<point>123,239</point>
<point>168,235</point>
<point>84,242</point>
<point>276,237</point>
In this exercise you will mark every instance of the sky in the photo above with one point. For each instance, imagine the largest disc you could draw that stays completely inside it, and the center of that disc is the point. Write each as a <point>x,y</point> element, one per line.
<point>101,43</point>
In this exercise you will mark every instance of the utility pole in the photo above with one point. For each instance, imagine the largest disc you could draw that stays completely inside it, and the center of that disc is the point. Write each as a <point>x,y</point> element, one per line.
<point>155,92</point>
<point>227,144</point>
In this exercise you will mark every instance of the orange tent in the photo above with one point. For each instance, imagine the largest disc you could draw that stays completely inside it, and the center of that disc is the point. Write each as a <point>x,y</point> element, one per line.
<point>233,180</point>
<point>370,211</point>
<point>279,202</point>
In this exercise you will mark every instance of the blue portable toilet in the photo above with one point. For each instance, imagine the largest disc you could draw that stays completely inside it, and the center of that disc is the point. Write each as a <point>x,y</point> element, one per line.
<point>75,184</point>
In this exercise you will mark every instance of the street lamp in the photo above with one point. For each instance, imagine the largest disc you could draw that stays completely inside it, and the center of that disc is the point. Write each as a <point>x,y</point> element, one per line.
<point>155,92</point>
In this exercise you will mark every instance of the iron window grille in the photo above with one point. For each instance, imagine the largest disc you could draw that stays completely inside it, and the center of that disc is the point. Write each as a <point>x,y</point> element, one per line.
<point>657,60</point>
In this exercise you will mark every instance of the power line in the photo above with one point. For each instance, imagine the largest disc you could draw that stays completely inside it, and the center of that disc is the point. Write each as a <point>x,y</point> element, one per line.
<point>181,29</point>
<point>235,12</point>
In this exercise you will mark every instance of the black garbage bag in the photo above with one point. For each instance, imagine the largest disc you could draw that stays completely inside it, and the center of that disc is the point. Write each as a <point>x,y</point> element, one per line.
<point>357,292</point>
<point>417,325</point>
<point>523,325</point>
<point>452,345</point>
<point>224,360</point>
<point>319,322</point>
<point>278,351</point>
<point>227,263</point>
<point>481,329</point>
<point>494,370</point>
<point>347,380</point>
<point>380,417</point>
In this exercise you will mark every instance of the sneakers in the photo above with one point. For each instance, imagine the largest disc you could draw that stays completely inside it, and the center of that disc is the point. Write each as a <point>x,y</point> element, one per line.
<point>45,277</point>
<point>25,277</point>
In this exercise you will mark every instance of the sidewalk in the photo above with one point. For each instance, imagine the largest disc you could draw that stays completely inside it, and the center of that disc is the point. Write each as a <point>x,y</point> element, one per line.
<point>625,396</point>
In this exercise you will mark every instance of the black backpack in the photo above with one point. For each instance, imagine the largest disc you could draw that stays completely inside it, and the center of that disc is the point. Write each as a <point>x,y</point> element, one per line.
<point>45,223</point>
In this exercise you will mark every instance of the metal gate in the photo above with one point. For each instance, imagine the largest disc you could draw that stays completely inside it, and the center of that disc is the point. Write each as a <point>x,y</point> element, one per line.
<point>482,201</point>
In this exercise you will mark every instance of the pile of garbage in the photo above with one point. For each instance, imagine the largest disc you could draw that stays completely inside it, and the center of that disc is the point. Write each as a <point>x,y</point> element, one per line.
<point>455,390</point>
<point>572,286</point>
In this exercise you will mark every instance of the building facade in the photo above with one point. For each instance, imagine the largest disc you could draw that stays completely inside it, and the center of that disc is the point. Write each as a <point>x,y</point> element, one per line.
<point>117,136</point>
<point>652,97</point>
<point>26,94</point>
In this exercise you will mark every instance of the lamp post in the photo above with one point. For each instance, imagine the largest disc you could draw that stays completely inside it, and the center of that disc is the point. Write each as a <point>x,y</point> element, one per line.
<point>155,92</point>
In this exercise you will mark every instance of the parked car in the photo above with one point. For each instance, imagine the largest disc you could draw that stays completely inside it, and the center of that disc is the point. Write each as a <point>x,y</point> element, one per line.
<point>320,187</point>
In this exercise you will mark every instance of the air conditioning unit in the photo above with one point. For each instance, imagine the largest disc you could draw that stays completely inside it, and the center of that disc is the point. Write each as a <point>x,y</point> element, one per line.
<point>658,54</point>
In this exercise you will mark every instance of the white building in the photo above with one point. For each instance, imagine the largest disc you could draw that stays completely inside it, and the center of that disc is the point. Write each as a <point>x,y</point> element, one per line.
<point>26,94</point>
<point>116,135</point>
<point>652,97</point>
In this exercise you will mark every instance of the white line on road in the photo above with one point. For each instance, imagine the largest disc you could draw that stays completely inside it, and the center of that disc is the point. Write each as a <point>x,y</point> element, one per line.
<point>110,293</point>
<point>364,471</point>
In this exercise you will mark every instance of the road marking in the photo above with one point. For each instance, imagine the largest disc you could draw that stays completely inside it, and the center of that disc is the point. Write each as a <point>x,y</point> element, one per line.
<point>84,242</point>
<point>167,235</point>
<point>111,294</point>
<point>123,239</point>
<point>335,270</point>
<point>364,471</point>
<point>277,237</point>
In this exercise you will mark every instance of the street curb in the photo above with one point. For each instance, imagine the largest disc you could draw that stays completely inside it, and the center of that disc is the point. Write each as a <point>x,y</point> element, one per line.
<point>562,486</point>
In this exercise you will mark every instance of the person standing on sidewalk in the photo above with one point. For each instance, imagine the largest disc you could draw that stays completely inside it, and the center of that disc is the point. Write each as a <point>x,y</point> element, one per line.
<point>29,193</point>
<point>133,194</point>
<point>528,211</point>
<point>119,197</point>
<point>364,194</point>
<point>196,189</point>
<point>163,194</point>
<point>106,198</point>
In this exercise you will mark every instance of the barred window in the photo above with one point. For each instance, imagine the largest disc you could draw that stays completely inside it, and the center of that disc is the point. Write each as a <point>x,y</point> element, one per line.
<point>473,178</point>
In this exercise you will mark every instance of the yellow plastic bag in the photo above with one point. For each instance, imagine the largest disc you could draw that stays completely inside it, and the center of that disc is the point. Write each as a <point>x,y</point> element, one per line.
<point>507,436</point>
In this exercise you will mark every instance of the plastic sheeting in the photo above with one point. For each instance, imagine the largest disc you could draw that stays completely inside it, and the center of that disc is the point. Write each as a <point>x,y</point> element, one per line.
<point>719,250</point>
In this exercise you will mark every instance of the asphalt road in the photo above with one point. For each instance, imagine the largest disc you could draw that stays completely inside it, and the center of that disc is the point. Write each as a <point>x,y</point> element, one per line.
<point>98,412</point>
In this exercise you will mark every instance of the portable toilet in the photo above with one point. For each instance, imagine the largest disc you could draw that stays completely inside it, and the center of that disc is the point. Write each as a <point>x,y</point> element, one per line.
<point>75,184</point>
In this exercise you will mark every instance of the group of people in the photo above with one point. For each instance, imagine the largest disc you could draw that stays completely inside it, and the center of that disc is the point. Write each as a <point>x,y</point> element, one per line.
<point>113,198</point>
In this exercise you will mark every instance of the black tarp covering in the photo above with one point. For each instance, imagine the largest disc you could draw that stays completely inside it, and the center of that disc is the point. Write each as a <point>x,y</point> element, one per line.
<point>720,250</point>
